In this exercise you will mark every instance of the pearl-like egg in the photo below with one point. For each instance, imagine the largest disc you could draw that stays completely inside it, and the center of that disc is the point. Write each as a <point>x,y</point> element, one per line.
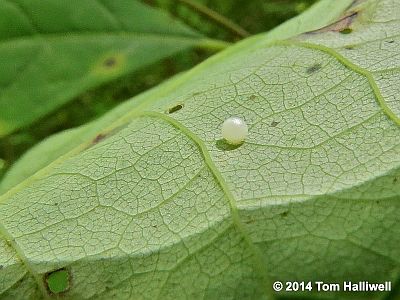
<point>234,130</point>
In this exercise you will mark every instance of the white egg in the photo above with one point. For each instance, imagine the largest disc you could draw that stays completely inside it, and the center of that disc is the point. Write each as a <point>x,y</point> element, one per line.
<point>234,130</point>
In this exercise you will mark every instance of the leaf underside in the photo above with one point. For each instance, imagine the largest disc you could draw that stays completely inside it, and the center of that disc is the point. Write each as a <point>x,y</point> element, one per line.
<point>155,207</point>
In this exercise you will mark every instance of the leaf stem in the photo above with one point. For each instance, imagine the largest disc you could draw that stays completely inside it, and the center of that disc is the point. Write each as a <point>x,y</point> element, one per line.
<point>216,17</point>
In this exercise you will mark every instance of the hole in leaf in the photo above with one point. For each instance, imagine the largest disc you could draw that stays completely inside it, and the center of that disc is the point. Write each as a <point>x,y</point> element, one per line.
<point>313,68</point>
<point>223,145</point>
<point>57,281</point>
<point>346,31</point>
<point>175,108</point>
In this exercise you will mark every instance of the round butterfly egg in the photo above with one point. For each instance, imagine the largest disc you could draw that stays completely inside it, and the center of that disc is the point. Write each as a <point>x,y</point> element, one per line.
<point>234,130</point>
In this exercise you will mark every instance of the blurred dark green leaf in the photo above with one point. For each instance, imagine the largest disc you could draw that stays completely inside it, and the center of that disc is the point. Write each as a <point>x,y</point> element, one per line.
<point>53,50</point>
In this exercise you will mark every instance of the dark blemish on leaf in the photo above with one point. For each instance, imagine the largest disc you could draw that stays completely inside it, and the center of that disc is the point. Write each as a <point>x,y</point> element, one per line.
<point>284,214</point>
<point>175,108</point>
<point>110,62</point>
<point>223,145</point>
<point>338,26</point>
<point>102,136</point>
<point>314,68</point>
<point>58,281</point>
<point>395,180</point>
<point>249,221</point>
<point>98,138</point>
<point>346,31</point>
<point>274,124</point>
<point>349,47</point>
<point>253,97</point>
<point>390,42</point>
<point>1,267</point>
<point>56,203</point>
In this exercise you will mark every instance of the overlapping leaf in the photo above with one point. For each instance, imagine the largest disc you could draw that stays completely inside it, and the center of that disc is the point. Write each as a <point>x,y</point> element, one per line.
<point>52,50</point>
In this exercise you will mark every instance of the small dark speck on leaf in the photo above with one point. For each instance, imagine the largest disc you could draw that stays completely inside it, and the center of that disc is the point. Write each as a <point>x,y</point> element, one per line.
<point>274,124</point>
<point>1,267</point>
<point>223,145</point>
<point>313,68</point>
<point>390,42</point>
<point>346,31</point>
<point>110,62</point>
<point>284,214</point>
<point>175,108</point>
<point>98,138</point>
<point>349,47</point>
<point>253,97</point>
<point>56,203</point>
<point>395,180</point>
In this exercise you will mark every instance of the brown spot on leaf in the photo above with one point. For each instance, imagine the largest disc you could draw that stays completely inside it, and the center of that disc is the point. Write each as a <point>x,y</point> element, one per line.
<point>253,97</point>
<point>339,26</point>
<point>110,64</point>
<point>274,123</point>
<point>390,41</point>
<point>98,138</point>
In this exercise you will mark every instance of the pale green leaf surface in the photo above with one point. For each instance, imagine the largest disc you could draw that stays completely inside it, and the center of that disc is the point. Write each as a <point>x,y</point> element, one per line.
<point>59,144</point>
<point>50,51</point>
<point>162,209</point>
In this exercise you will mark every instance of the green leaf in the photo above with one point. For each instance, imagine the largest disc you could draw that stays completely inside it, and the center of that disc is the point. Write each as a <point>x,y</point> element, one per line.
<point>52,50</point>
<point>154,208</point>
<point>59,144</point>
